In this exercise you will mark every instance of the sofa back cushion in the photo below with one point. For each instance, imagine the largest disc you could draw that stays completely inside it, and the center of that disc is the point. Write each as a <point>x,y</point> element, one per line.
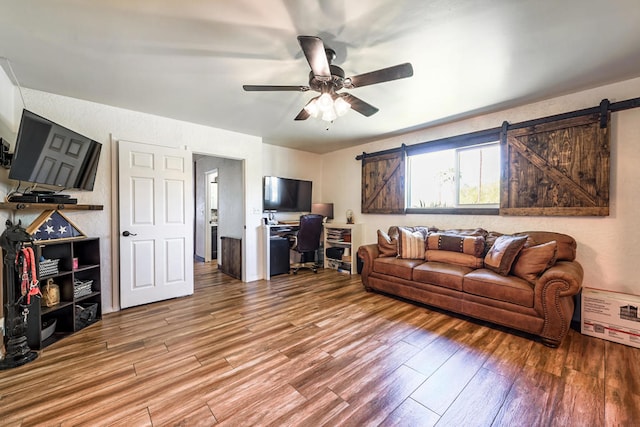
<point>394,229</point>
<point>466,231</point>
<point>566,244</point>
<point>457,258</point>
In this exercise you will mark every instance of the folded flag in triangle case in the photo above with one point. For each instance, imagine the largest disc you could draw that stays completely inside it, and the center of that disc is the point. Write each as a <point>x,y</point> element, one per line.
<point>52,225</point>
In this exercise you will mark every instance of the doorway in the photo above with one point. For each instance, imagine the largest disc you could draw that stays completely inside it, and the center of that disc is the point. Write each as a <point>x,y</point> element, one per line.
<point>217,181</point>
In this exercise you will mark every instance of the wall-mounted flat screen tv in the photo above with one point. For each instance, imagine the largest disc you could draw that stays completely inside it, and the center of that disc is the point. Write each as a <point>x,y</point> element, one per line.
<point>50,154</point>
<point>286,195</point>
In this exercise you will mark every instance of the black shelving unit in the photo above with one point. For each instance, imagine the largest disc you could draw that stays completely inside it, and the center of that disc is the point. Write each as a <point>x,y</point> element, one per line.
<point>87,253</point>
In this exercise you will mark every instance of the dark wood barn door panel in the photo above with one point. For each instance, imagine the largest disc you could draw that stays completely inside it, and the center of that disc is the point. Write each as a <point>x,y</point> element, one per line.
<point>383,183</point>
<point>557,168</point>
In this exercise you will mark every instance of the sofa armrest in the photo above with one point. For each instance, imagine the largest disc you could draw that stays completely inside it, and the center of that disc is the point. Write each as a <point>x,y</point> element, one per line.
<point>569,273</point>
<point>554,292</point>
<point>367,253</point>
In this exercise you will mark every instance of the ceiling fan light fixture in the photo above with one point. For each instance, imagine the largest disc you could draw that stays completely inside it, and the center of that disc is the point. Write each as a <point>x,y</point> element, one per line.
<point>329,115</point>
<point>341,106</point>
<point>326,79</point>
<point>312,108</point>
<point>325,103</point>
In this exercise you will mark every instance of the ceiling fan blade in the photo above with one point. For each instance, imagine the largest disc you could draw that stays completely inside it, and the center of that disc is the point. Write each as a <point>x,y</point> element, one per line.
<point>313,49</point>
<point>267,88</point>
<point>359,105</point>
<point>302,115</point>
<point>384,75</point>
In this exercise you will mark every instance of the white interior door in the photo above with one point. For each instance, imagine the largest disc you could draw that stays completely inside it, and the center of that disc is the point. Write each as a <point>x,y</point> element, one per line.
<point>156,223</point>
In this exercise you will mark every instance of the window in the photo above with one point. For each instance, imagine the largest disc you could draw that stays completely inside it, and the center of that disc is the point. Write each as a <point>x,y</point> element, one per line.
<point>466,177</point>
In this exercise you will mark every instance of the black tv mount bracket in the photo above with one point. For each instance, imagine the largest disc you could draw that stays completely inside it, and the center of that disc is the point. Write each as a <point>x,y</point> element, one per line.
<point>5,156</point>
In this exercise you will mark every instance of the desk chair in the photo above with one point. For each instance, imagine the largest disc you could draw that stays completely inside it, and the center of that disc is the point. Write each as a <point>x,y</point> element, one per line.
<point>307,242</point>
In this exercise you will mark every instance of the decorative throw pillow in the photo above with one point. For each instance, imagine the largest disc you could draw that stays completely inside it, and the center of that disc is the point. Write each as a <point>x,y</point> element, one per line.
<point>503,252</point>
<point>387,246</point>
<point>470,245</point>
<point>533,261</point>
<point>410,245</point>
<point>457,258</point>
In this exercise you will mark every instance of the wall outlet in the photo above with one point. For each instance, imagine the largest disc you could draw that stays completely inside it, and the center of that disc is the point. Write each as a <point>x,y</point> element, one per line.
<point>1,326</point>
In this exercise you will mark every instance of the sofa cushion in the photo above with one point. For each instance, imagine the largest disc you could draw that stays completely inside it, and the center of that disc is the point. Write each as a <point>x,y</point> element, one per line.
<point>387,246</point>
<point>397,267</point>
<point>471,245</point>
<point>489,284</point>
<point>503,252</point>
<point>566,244</point>
<point>466,231</point>
<point>410,244</point>
<point>394,230</point>
<point>456,258</point>
<point>441,274</point>
<point>533,261</point>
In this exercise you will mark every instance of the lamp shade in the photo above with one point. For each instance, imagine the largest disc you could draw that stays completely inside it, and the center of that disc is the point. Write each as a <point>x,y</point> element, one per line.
<point>324,209</point>
<point>341,106</point>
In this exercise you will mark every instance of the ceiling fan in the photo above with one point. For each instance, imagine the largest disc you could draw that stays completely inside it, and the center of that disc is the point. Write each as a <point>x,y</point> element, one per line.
<point>328,79</point>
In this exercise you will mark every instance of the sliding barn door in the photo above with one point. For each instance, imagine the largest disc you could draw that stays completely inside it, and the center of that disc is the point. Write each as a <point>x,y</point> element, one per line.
<point>557,168</point>
<point>383,178</point>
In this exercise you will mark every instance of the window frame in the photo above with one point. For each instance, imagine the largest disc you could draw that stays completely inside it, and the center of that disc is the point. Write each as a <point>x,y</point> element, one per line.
<point>453,143</point>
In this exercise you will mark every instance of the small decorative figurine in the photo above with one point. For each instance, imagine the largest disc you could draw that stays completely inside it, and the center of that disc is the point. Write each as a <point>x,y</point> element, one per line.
<point>349,216</point>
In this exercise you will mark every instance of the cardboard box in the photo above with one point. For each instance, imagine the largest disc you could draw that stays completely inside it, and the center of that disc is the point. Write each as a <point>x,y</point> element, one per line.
<point>611,316</point>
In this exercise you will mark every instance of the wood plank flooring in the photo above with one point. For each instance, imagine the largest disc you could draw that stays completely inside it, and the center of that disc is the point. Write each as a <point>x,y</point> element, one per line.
<point>313,350</point>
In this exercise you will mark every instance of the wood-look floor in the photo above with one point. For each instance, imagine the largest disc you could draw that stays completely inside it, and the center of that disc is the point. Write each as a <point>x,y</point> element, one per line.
<point>312,350</point>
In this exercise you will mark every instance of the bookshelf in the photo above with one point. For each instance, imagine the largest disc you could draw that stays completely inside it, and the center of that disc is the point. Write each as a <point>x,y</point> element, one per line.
<point>345,238</point>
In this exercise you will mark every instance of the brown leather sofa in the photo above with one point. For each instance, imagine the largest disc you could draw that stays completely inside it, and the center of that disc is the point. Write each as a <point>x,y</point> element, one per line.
<point>525,281</point>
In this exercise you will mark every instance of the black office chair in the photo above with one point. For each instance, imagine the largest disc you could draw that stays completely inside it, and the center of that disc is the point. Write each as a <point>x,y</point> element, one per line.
<point>307,242</point>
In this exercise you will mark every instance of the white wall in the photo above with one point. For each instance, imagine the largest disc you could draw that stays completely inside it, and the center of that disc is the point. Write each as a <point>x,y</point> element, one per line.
<point>608,247</point>
<point>296,164</point>
<point>98,122</point>
<point>7,110</point>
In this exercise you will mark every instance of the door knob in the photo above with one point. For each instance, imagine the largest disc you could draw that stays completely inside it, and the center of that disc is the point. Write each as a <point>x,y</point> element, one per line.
<point>127,233</point>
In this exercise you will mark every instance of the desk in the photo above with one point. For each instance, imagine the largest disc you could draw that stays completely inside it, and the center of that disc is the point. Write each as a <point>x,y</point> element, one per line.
<point>275,256</point>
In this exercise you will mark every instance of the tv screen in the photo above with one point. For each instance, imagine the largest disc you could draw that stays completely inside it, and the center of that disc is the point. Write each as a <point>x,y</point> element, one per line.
<point>50,154</point>
<point>286,195</point>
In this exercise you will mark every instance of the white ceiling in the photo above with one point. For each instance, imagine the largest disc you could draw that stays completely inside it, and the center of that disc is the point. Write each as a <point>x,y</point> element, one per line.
<point>188,59</point>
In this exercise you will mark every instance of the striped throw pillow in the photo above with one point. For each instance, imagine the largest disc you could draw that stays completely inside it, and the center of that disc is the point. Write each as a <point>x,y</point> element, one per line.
<point>410,245</point>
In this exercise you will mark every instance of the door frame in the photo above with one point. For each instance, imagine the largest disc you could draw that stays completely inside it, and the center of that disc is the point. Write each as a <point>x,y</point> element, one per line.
<point>207,220</point>
<point>115,226</point>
